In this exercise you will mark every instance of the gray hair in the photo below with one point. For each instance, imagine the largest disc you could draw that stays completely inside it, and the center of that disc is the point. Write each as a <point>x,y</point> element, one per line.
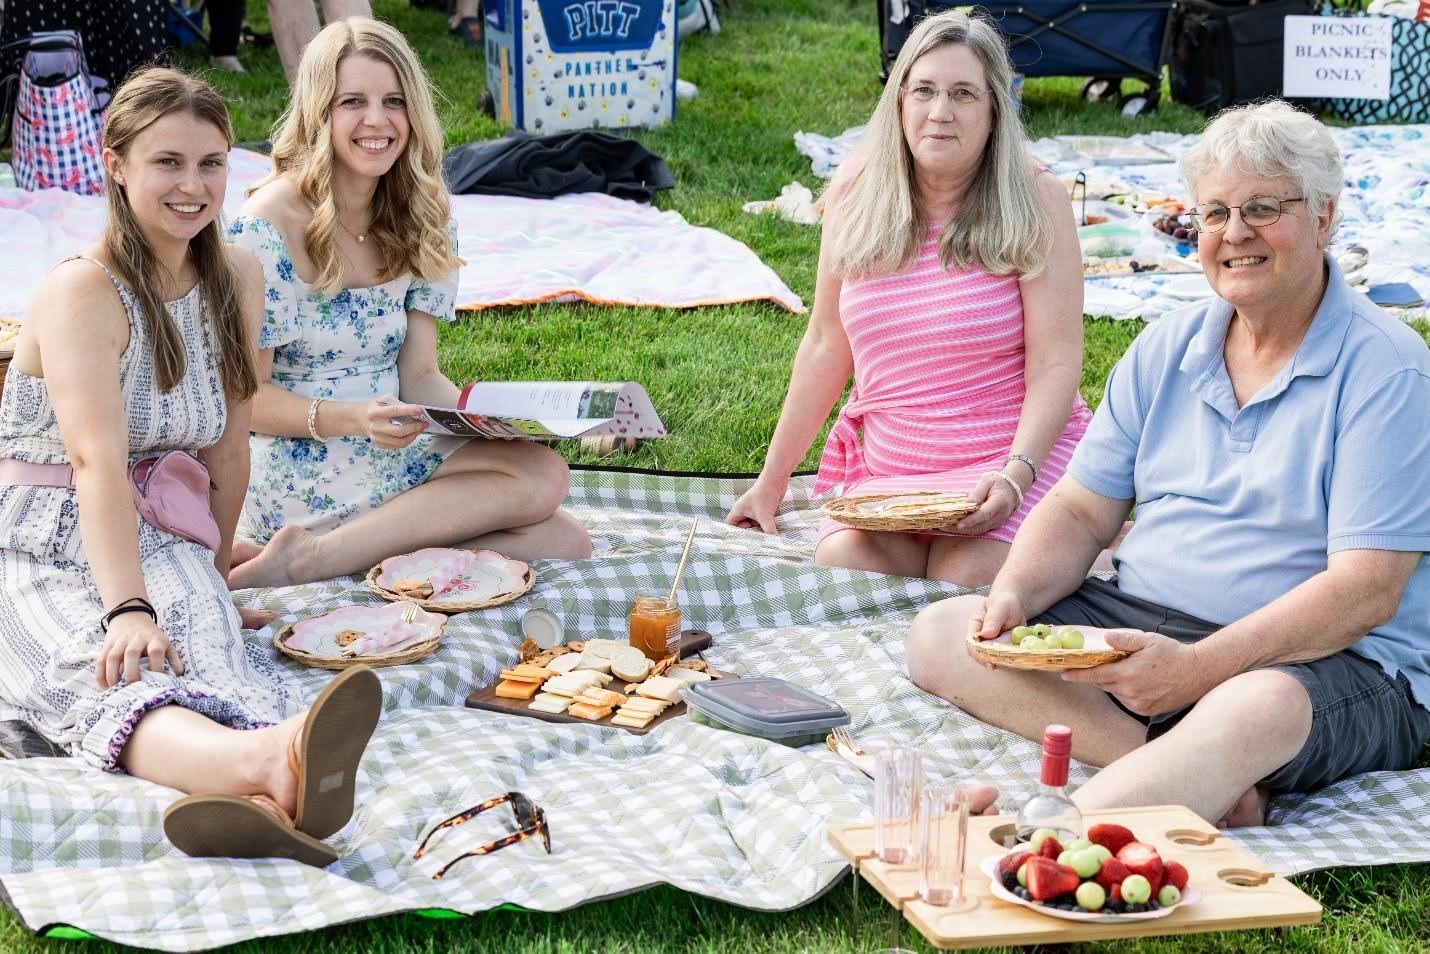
<point>1000,226</point>
<point>1270,140</point>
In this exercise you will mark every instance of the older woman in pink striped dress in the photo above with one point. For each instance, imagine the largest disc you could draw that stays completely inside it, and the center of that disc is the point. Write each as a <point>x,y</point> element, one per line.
<point>950,287</point>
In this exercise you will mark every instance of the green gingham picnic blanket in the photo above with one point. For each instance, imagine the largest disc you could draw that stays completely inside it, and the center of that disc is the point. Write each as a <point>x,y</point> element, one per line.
<point>706,810</point>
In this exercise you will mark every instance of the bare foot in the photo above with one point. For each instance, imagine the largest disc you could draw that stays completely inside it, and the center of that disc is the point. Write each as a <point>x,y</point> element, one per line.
<point>1248,812</point>
<point>255,619</point>
<point>242,551</point>
<point>281,562</point>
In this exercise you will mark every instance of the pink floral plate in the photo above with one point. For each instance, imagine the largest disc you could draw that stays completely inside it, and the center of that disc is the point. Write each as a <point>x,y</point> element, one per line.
<point>370,634</point>
<point>460,579</point>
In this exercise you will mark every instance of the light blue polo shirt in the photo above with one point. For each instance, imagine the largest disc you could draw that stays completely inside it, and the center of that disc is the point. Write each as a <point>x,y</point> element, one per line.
<point>1237,506</point>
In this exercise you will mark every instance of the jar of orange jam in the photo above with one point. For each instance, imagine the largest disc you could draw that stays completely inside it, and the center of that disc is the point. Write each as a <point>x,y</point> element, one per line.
<point>655,625</point>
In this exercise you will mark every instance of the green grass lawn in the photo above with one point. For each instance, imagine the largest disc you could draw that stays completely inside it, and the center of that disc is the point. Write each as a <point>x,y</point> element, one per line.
<point>718,377</point>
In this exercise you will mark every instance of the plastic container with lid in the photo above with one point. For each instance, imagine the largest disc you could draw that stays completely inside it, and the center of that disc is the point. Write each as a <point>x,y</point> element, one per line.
<point>764,706</point>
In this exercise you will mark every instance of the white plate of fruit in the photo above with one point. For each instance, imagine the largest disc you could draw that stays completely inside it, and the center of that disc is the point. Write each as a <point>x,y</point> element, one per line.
<point>1108,876</point>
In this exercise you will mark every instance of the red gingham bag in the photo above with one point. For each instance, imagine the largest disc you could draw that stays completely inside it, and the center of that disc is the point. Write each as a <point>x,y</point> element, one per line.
<point>58,121</point>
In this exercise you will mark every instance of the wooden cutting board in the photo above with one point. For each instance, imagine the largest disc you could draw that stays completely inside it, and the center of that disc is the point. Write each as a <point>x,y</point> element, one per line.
<point>692,641</point>
<point>1237,890</point>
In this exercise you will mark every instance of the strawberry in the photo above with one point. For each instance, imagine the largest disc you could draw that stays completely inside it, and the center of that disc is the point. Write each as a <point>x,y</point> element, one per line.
<point>1111,837</point>
<point>1114,893</point>
<point>1048,879</point>
<point>1143,859</point>
<point>1011,862</point>
<point>1111,873</point>
<point>1176,875</point>
<point>1050,848</point>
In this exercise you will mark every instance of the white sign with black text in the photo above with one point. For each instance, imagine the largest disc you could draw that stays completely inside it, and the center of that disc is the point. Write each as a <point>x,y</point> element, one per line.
<point>1337,57</point>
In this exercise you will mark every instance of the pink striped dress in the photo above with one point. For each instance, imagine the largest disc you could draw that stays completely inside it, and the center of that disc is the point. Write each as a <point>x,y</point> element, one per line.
<point>938,386</point>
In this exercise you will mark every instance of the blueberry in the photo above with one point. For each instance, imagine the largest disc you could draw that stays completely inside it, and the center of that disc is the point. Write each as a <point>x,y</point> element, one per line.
<point>1113,907</point>
<point>1010,880</point>
<point>1152,905</point>
<point>1022,892</point>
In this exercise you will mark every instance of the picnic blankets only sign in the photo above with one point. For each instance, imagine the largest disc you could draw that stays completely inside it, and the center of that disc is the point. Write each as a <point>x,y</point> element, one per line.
<point>1337,57</point>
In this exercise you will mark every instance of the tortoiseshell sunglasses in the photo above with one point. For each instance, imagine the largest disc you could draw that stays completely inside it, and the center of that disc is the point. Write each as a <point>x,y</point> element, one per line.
<point>531,819</point>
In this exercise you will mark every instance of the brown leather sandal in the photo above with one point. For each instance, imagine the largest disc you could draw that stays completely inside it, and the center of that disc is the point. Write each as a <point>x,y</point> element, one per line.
<point>231,826</point>
<point>324,753</point>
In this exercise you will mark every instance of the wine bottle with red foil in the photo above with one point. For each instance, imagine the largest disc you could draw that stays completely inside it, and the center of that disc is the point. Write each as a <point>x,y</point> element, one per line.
<point>1051,807</point>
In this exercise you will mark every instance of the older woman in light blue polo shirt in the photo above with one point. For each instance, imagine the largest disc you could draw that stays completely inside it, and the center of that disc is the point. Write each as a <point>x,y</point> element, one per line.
<point>1274,591</point>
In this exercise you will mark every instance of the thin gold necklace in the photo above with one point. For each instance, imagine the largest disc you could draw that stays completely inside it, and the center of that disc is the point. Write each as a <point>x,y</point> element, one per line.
<point>360,236</point>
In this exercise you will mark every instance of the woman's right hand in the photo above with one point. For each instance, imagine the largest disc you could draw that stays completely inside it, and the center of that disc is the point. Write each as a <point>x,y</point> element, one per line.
<point>755,510</point>
<point>133,637</point>
<point>390,424</point>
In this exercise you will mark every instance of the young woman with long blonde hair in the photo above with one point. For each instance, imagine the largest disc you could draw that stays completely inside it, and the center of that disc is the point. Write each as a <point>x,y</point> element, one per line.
<point>359,257</point>
<point>118,640</point>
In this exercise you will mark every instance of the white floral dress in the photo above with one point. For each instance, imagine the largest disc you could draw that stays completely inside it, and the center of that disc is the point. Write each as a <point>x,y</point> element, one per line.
<point>342,346</point>
<point>49,605</point>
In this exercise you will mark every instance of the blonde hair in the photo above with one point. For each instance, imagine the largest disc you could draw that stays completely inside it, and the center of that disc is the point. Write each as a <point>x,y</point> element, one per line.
<point>1000,226</point>
<point>410,208</point>
<point>146,97</point>
<point>1271,140</point>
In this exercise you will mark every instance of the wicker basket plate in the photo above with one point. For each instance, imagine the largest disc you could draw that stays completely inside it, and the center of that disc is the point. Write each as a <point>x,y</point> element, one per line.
<point>918,510</point>
<point>1002,652</point>
<point>487,578</point>
<point>314,641</point>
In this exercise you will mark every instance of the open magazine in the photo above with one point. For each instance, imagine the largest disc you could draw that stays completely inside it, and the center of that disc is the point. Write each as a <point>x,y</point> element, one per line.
<point>505,409</point>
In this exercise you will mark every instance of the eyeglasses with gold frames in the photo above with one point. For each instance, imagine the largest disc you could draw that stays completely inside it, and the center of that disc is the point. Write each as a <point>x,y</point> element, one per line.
<point>1257,212</point>
<point>531,819</point>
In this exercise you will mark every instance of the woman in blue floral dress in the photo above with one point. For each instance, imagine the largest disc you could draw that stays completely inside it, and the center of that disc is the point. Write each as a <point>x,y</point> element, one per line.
<point>352,230</point>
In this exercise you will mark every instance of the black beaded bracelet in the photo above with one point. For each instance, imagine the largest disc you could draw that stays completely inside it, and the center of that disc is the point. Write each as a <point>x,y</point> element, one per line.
<point>135,604</point>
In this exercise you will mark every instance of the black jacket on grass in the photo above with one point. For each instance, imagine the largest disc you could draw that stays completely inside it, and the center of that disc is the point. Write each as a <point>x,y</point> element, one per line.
<point>543,167</point>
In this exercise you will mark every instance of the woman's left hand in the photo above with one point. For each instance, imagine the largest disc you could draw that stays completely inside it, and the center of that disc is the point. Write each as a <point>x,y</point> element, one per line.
<point>996,503</point>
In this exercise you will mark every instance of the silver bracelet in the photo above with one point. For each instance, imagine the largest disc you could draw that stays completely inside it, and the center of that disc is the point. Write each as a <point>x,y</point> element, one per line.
<point>313,418</point>
<point>1027,460</point>
<point>1017,491</point>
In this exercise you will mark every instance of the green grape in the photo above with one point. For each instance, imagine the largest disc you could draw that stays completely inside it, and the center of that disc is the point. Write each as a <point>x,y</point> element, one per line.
<point>1069,638</point>
<point>1103,852</point>
<point>1018,633</point>
<point>1066,858</point>
<point>1136,889</point>
<point>1023,875</point>
<point>1044,630</point>
<point>1079,845</point>
<point>1086,863</point>
<point>1040,836</point>
<point>1033,643</point>
<point>1168,896</point>
<point>1091,896</point>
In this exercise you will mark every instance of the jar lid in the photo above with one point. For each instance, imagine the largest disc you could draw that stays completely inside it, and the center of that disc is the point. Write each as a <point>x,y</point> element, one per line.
<point>542,628</point>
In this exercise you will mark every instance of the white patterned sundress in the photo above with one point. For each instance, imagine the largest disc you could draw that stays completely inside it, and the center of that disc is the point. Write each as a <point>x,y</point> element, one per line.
<point>342,346</point>
<point>49,605</point>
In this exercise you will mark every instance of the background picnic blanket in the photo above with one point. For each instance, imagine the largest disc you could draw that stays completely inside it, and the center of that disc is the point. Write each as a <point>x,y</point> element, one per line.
<point>1385,202</point>
<point>518,251</point>
<point>709,811</point>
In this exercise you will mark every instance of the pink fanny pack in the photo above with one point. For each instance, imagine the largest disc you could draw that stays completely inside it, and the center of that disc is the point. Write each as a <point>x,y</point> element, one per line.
<point>171,491</point>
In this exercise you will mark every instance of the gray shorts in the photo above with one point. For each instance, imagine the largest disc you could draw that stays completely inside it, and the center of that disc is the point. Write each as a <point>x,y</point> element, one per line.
<point>1361,719</point>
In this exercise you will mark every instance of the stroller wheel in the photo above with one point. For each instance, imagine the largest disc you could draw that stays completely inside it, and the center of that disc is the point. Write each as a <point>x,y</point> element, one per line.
<point>1135,105</point>
<point>1100,88</point>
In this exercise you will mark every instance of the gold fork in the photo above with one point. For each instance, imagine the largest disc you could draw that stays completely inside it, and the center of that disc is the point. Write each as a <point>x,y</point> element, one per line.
<point>409,613</point>
<point>842,736</point>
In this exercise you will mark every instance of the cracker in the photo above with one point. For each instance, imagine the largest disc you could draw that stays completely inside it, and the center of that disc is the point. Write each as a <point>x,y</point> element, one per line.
<point>511,689</point>
<point>661,687</point>
<point>660,667</point>
<point>415,588</point>
<point>528,650</point>
<point>349,636</point>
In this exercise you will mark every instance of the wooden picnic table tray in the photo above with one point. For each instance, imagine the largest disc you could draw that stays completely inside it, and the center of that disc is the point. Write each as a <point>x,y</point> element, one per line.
<point>692,641</point>
<point>1237,890</point>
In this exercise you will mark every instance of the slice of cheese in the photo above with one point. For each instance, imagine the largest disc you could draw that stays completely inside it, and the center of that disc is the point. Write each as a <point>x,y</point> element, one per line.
<point>509,689</point>
<point>546,702</point>
<point>661,687</point>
